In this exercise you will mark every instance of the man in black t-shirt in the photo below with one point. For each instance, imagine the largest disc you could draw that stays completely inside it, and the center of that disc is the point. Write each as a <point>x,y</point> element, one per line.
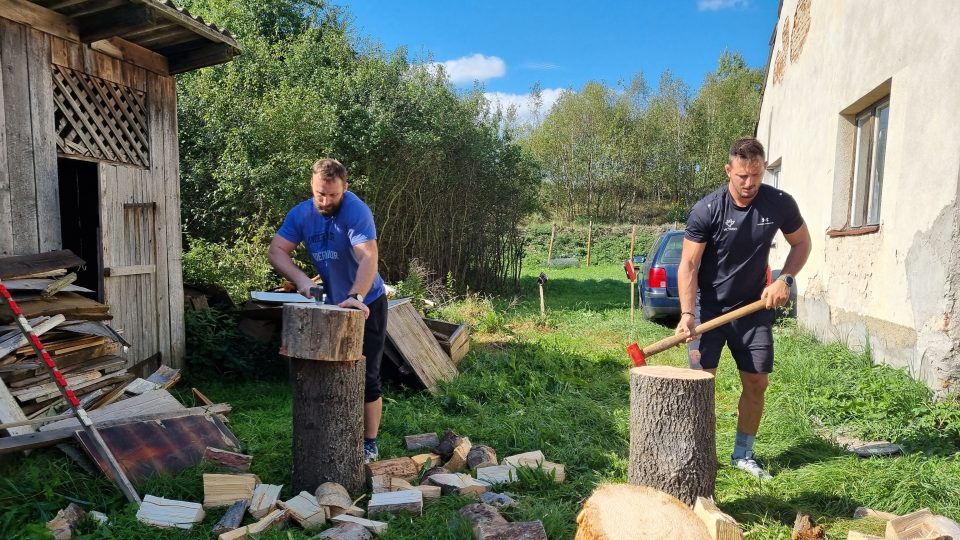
<point>723,267</point>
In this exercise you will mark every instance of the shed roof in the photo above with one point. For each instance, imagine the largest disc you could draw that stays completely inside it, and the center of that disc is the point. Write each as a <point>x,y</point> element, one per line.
<point>188,42</point>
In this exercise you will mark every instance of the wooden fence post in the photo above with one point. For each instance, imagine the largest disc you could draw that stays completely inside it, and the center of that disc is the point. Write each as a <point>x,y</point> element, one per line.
<point>553,232</point>
<point>633,289</point>
<point>589,238</point>
<point>327,371</point>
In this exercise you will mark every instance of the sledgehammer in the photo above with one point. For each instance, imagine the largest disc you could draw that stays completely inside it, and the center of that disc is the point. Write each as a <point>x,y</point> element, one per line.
<point>639,356</point>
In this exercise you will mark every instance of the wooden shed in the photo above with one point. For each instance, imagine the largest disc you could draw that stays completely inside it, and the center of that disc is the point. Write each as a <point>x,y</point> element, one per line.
<point>88,150</point>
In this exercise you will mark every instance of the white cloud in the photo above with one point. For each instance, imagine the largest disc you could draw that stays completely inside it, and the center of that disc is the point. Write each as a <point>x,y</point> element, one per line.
<point>717,5</point>
<point>524,105</point>
<point>540,66</point>
<point>476,67</point>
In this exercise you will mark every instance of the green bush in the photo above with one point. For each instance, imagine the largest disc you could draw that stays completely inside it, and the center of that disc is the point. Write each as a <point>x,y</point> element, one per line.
<point>609,244</point>
<point>238,267</point>
<point>216,349</point>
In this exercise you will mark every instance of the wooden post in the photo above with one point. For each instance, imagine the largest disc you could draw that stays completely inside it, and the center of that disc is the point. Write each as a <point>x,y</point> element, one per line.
<point>553,233</point>
<point>589,238</point>
<point>681,459</point>
<point>543,310</point>
<point>327,371</point>
<point>633,288</point>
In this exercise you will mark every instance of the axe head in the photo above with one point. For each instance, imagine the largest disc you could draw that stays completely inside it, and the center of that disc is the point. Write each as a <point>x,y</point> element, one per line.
<point>636,354</point>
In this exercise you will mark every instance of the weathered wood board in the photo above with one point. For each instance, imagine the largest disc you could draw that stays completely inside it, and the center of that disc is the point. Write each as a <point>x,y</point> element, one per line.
<point>410,335</point>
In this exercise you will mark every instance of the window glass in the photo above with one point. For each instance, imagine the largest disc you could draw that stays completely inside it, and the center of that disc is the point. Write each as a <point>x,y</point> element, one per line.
<point>876,188</point>
<point>673,249</point>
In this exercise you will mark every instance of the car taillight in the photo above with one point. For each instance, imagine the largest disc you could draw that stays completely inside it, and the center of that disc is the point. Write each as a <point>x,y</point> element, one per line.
<point>657,278</point>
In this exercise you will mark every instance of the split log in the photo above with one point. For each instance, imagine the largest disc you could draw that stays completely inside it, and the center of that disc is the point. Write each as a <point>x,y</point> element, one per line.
<point>805,529</point>
<point>922,524</point>
<point>427,474</point>
<point>304,510</point>
<point>161,512</point>
<point>232,518</point>
<point>327,372</point>
<point>421,441</point>
<point>275,519</point>
<point>429,492</point>
<point>347,531</point>
<point>449,441</point>
<point>459,483</point>
<point>478,513</point>
<point>422,460</point>
<point>526,458</point>
<point>499,474</point>
<point>673,431</point>
<point>497,499</point>
<point>264,499</point>
<point>227,460</point>
<point>481,456</point>
<point>379,483</point>
<point>333,494</point>
<point>458,458</point>
<point>523,530</point>
<point>410,500</point>
<point>63,525</point>
<point>376,527</point>
<point>402,467</point>
<point>398,484</point>
<point>720,525</point>
<point>617,511</point>
<point>226,489</point>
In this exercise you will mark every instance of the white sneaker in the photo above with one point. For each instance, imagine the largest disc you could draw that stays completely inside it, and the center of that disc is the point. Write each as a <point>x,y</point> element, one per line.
<point>370,453</point>
<point>750,465</point>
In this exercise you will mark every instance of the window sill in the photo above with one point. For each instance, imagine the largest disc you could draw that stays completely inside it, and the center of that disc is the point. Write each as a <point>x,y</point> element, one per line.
<point>853,231</point>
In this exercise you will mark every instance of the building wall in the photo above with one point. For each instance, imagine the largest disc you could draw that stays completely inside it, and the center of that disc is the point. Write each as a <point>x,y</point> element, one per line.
<point>894,288</point>
<point>145,288</point>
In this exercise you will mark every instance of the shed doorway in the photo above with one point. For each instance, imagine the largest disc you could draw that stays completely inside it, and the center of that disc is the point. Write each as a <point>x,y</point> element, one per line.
<point>80,219</point>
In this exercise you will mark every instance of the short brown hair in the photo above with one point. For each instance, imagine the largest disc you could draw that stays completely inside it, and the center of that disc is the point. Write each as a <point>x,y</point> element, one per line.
<point>746,148</point>
<point>329,169</point>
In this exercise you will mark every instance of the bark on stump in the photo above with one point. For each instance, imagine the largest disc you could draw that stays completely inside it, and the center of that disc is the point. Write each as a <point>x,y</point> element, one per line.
<point>622,512</point>
<point>673,431</point>
<point>327,372</point>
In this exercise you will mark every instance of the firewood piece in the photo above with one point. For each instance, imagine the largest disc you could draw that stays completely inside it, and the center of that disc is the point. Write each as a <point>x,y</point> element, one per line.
<point>681,461</point>
<point>945,526</point>
<point>402,467</point>
<point>720,525</point>
<point>805,529</point>
<point>478,513</point>
<point>422,459</point>
<point>856,535</point>
<point>304,510</point>
<point>264,499</point>
<point>333,494</point>
<point>421,441</point>
<point>863,511</point>
<point>161,512</point>
<point>534,460</point>
<point>347,531</point>
<point>526,458</point>
<point>272,520</point>
<point>227,459</point>
<point>499,474</point>
<point>523,530</point>
<point>398,484</point>
<point>380,484</point>
<point>462,484</point>
<point>226,489</point>
<point>232,518</point>
<point>616,511</point>
<point>497,499</point>
<point>430,472</point>
<point>449,441</point>
<point>458,458</point>
<point>430,492</point>
<point>376,527</point>
<point>410,500</point>
<point>65,523</point>
<point>912,526</point>
<point>481,456</point>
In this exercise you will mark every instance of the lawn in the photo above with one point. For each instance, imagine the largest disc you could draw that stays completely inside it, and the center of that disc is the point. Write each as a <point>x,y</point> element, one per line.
<point>560,384</point>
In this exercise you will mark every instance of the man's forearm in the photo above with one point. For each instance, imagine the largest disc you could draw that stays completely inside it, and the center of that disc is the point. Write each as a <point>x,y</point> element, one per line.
<point>687,285</point>
<point>796,258</point>
<point>366,271</point>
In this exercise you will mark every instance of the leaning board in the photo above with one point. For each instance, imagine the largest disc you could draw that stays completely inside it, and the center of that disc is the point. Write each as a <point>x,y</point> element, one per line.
<point>410,335</point>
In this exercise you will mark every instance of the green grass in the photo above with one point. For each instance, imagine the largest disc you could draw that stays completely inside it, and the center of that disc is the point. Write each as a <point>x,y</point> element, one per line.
<point>560,383</point>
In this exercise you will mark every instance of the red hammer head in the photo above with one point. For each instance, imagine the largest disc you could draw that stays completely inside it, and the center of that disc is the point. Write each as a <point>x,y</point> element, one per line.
<point>636,354</point>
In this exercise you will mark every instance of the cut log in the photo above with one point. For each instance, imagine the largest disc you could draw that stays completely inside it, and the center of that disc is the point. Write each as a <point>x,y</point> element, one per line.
<point>322,332</point>
<point>805,529</point>
<point>402,467</point>
<point>227,459</point>
<point>720,525</point>
<point>673,431</point>
<point>347,531</point>
<point>478,513</point>
<point>922,524</point>
<point>497,499</point>
<point>264,499</point>
<point>448,442</point>
<point>421,441</point>
<point>422,459</point>
<point>526,458</point>
<point>226,489</point>
<point>333,494</point>
<point>274,519</point>
<point>63,525</point>
<point>426,474</point>
<point>617,511</point>
<point>380,484</point>
<point>409,500</point>
<point>304,510</point>
<point>430,492</point>
<point>459,483</point>
<point>481,456</point>
<point>523,530</point>
<point>232,518</point>
<point>499,474</point>
<point>398,484</point>
<point>376,527</point>
<point>161,512</point>
<point>458,458</point>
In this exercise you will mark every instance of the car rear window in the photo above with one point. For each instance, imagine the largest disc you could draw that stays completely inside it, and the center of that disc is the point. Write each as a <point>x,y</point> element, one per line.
<point>671,252</point>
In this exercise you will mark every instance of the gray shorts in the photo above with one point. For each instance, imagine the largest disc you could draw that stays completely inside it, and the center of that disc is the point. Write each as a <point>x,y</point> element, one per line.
<point>749,338</point>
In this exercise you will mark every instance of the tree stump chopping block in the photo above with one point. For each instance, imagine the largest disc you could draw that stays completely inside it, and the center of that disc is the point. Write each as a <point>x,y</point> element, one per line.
<point>673,431</point>
<point>327,371</point>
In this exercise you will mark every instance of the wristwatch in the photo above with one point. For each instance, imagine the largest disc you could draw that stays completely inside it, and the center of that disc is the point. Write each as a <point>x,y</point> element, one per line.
<point>359,297</point>
<point>786,278</point>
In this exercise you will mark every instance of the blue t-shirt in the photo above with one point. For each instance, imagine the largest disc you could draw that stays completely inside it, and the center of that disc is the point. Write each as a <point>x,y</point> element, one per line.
<point>330,240</point>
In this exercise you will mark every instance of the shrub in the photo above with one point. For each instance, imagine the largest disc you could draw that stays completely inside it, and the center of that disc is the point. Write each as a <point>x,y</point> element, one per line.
<point>216,349</point>
<point>239,267</point>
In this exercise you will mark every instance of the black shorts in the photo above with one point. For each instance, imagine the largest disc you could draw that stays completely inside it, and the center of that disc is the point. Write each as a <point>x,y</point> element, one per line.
<point>374,339</point>
<point>749,338</point>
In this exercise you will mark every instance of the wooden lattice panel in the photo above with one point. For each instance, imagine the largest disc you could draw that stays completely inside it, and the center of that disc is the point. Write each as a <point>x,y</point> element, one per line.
<point>99,119</point>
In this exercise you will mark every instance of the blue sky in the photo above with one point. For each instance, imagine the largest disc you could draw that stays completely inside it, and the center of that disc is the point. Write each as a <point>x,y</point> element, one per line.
<point>563,44</point>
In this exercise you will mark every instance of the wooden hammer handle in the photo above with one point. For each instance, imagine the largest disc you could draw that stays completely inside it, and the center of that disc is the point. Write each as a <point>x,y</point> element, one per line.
<point>677,339</point>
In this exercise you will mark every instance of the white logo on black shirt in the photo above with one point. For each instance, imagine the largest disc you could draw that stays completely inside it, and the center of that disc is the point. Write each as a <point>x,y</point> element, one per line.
<point>729,225</point>
<point>764,221</point>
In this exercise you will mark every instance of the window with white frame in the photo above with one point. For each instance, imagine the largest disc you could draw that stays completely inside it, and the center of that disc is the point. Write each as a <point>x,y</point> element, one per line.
<point>869,150</point>
<point>773,174</point>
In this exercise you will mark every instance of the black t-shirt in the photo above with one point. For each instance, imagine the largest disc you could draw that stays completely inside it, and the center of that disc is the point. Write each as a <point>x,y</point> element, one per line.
<point>734,264</point>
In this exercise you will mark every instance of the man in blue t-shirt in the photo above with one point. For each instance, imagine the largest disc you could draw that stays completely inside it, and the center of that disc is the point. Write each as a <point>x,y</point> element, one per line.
<point>338,230</point>
<point>723,267</point>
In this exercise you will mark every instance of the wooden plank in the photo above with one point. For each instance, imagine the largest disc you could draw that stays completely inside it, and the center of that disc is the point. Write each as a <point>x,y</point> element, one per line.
<point>410,335</point>
<point>49,438</point>
<point>162,512</point>
<point>41,18</point>
<point>10,411</point>
<point>118,47</point>
<point>20,163</point>
<point>16,342</point>
<point>129,270</point>
<point>39,284</point>
<point>33,392</point>
<point>6,215</point>
<point>34,263</point>
<point>44,140</point>
<point>155,401</point>
<point>171,173</point>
